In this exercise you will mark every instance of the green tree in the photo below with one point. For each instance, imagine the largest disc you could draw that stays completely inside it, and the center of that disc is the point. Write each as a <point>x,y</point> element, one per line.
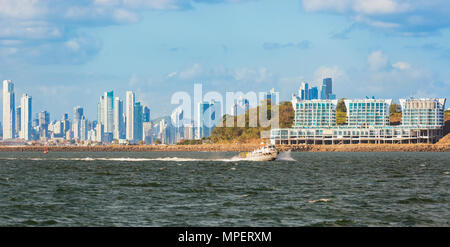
<point>341,106</point>
<point>395,108</point>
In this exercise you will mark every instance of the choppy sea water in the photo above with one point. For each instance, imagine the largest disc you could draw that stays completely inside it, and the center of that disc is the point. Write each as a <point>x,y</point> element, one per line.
<point>209,189</point>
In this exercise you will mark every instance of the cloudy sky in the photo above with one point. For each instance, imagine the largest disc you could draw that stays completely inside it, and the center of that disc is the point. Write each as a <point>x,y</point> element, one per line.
<point>68,52</point>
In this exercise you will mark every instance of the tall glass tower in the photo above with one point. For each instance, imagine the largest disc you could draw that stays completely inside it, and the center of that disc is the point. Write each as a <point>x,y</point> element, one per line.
<point>130,101</point>
<point>26,115</point>
<point>9,116</point>
<point>108,112</point>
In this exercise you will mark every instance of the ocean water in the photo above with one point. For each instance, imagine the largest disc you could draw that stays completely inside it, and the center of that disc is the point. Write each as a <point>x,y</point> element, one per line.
<point>209,189</point>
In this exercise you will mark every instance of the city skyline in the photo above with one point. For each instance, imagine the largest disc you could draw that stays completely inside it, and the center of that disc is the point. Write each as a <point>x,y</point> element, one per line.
<point>369,50</point>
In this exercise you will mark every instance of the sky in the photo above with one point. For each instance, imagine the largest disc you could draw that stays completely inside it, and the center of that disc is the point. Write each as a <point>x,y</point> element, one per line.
<point>67,53</point>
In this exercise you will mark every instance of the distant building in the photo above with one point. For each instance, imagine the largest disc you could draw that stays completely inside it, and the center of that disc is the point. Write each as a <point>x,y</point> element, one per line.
<point>119,123</point>
<point>146,114</point>
<point>18,119</point>
<point>327,89</point>
<point>44,121</point>
<point>209,114</point>
<point>108,111</point>
<point>137,128</point>
<point>129,109</point>
<point>26,121</point>
<point>147,132</point>
<point>9,115</point>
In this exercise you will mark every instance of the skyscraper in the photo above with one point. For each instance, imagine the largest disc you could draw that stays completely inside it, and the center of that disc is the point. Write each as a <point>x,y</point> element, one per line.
<point>27,117</point>
<point>9,115</point>
<point>100,110</point>
<point>44,121</point>
<point>146,115</point>
<point>327,89</point>
<point>138,131</point>
<point>130,100</point>
<point>77,115</point>
<point>108,112</point>
<point>304,91</point>
<point>118,119</point>
<point>18,118</point>
<point>209,114</point>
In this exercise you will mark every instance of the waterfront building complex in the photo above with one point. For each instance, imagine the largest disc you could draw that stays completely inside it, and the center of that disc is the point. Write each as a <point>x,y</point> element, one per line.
<point>367,122</point>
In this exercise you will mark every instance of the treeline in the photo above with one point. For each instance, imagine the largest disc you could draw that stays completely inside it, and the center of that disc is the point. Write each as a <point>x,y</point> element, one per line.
<point>247,134</point>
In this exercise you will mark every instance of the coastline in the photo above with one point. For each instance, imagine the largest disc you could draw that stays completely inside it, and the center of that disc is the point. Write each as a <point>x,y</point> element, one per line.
<point>236,148</point>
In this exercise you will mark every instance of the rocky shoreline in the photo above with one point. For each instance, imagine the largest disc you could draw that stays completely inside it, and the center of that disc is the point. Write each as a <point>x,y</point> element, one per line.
<point>235,148</point>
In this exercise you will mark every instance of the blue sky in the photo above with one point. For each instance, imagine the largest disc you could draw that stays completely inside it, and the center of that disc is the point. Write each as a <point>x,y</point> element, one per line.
<point>68,52</point>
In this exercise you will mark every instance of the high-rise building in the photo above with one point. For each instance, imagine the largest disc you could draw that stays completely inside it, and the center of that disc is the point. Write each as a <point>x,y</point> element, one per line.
<point>83,129</point>
<point>368,112</point>
<point>77,116</point>
<point>304,91</point>
<point>9,116</point>
<point>147,132</point>
<point>44,121</point>
<point>26,121</point>
<point>209,114</point>
<point>313,93</point>
<point>18,119</point>
<point>177,122</point>
<point>101,110</point>
<point>146,114</point>
<point>66,123</point>
<point>129,105</point>
<point>119,124</point>
<point>138,130</point>
<point>77,113</point>
<point>240,107</point>
<point>327,88</point>
<point>108,111</point>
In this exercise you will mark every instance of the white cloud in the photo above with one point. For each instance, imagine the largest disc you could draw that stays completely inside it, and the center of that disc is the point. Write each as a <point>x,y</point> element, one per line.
<point>401,65</point>
<point>358,6</point>
<point>404,17</point>
<point>252,75</point>
<point>194,71</point>
<point>323,72</point>
<point>377,60</point>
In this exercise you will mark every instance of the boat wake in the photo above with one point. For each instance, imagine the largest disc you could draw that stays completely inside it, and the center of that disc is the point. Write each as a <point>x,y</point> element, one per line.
<point>285,156</point>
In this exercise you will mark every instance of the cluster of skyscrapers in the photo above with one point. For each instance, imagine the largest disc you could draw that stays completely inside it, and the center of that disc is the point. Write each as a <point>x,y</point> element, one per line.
<point>113,124</point>
<point>326,92</point>
<point>368,121</point>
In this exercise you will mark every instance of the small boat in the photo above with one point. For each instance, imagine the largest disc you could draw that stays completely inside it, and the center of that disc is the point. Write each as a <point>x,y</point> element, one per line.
<point>265,153</point>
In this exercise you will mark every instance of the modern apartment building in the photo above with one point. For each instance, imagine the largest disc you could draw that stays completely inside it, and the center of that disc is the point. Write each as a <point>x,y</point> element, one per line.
<point>317,113</point>
<point>368,112</point>
<point>423,112</point>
